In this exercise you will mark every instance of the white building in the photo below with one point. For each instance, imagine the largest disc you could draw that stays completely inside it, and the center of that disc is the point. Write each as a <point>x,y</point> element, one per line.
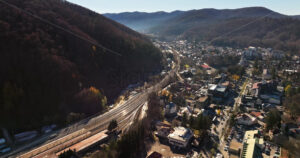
<point>171,109</point>
<point>180,137</point>
<point>186,110</point>
<point>252,145</point>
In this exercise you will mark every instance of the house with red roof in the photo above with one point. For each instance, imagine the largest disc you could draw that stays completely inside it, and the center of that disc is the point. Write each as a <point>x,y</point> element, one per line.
<point>205,66</point>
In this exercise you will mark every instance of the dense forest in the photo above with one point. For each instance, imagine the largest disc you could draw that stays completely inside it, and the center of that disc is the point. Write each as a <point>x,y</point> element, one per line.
<point>48,73</point>
<point>208,17</point>
<point>254,26</point>
<point>222,61</point>
<point>282,34</point>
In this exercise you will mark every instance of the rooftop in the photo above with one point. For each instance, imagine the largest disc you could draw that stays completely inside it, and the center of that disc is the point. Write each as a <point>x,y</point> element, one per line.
<point>246,117</point>
<point>205,66</point>
<point>203,99</point>
<point>212,87</point>
<point>86,142</point>
<point>256,114</point>
<point>155,155</point>
<point>250,141</point>
<point>181,133</point>
<point>226,83</point>
<point>170,105</point>
<point>234,145</point>
<point>221,89</point>
<point>250,134</point>
<point>248,148</point>
<point>256,85</point>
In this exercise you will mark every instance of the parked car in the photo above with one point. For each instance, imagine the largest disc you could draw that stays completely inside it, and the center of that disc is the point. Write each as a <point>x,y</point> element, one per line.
<point>5,150</point>
<point>2,146</point>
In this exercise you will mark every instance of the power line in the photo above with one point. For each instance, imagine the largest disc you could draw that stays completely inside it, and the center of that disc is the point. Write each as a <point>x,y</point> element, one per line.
<point>241,27</point>
<point>59,27</point>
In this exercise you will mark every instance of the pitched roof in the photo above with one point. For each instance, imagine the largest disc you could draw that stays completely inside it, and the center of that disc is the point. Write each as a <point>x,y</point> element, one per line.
<point>202,99</point>
<point>155,155</point>
<point>256,114</point>
<point>205,66</point>
<point>256,85</point>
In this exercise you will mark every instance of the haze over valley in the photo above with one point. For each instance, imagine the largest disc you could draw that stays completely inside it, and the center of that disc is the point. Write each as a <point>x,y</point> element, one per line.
<point>196,83</point>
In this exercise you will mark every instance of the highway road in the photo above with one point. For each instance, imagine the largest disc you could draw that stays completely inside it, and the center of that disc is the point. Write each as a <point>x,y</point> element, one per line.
<point>124,114</point>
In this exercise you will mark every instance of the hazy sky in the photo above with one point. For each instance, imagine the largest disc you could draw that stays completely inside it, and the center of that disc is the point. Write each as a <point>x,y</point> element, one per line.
<point>288,7</point>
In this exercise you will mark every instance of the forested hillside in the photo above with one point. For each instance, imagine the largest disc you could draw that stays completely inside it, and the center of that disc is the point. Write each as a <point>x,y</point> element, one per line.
<point>141,21</point>
<point>256,26</point>
<point>282,34</point>
<point>297,16</point>
<point>47,73</point>
<point>207,18</point>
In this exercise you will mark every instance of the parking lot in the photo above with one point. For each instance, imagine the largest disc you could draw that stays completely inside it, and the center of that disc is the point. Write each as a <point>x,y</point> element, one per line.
<point>271,151</point>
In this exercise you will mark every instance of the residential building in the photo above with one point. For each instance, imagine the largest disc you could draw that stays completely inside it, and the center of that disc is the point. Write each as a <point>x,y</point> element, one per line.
<point>270,98</point>
<point>180,137</point>
<point>206,67</point>
<point>246,119</point>
<point>170,109</point>
<point>217,92</point>
<point>258,115</point>
<point>235,148</point>
<point>163,132</point>
<point>187,110</point>
<point>155,155</point>
<point>266,75</point>
<point>203,102</point>
<point>163,129</point>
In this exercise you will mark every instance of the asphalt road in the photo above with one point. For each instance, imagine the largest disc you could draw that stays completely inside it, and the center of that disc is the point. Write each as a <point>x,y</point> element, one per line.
<point>236,105</point>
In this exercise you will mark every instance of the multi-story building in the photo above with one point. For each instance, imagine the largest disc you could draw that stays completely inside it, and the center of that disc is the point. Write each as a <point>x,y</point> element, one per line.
<point>252,145</point>
<point>180,137</point>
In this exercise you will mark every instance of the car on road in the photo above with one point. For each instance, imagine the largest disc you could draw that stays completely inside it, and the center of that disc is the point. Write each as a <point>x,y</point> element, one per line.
<point>268,152</point>
<point>225,148</point>
<point>219,155</point>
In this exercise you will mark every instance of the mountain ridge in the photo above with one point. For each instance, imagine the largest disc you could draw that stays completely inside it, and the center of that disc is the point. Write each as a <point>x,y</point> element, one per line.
<point>127,18</point>
<point>297,16</point>
<point>141,21</point>
<point>49,73</point>
<point>208,24</point>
